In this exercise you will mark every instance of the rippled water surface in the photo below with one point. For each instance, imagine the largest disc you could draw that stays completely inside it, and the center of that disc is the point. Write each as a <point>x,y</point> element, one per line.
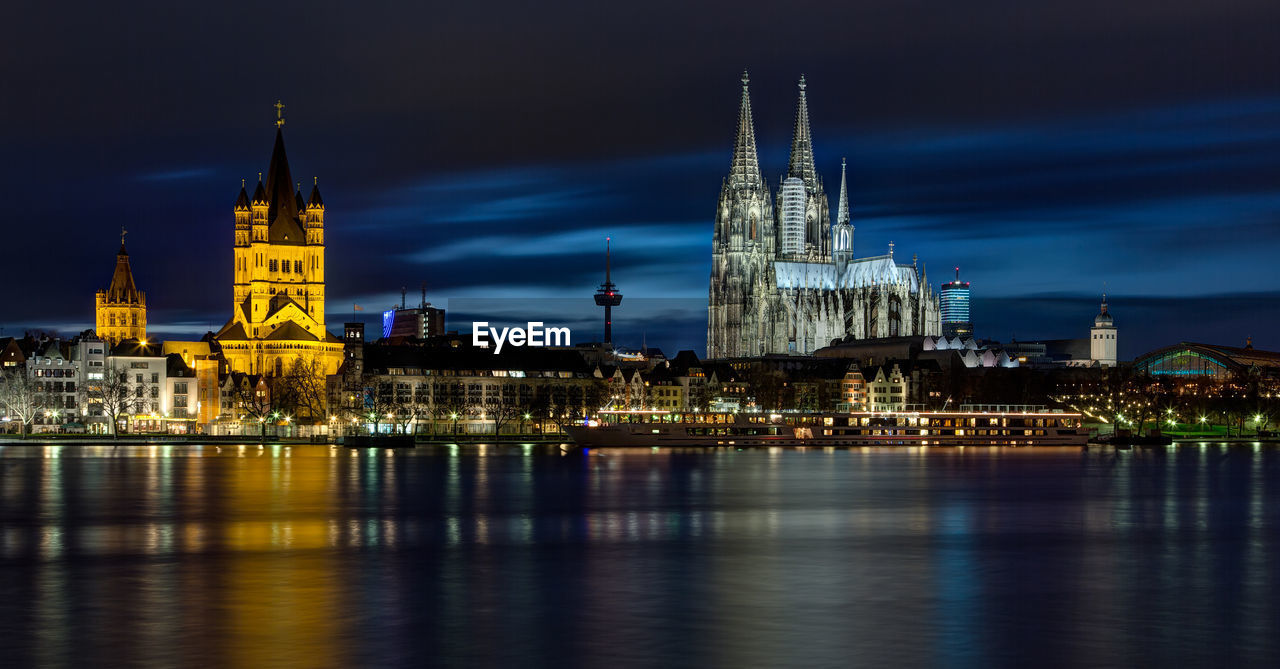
<point>527,556</point>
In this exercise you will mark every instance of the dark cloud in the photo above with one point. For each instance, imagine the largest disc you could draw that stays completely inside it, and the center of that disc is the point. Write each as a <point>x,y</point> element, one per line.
<point>1044,147</point>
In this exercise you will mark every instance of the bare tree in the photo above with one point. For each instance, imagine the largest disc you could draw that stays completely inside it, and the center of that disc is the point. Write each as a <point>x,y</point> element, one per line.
<point>21,397</point>
<point>419,406</point>
<point>452,401</point>
<point>302,388</point>
<point>113,394</point>
<point>501,408</point>
<point>255,400</point>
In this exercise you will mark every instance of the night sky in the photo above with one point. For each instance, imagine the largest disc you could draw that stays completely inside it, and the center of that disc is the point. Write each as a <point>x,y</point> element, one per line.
<point>488,149</point>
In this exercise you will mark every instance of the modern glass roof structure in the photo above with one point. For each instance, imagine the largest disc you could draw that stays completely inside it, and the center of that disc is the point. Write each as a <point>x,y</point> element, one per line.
<point>1207,361</point>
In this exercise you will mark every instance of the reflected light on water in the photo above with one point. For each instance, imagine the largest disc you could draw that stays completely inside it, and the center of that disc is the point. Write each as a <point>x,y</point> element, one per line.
<point>252,555</point>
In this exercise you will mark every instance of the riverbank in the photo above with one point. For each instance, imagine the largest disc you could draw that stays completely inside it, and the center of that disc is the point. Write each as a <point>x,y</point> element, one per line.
<point>203,439</point>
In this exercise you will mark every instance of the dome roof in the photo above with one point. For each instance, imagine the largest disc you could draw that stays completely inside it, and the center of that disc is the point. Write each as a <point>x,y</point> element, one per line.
<point>1103,318</point>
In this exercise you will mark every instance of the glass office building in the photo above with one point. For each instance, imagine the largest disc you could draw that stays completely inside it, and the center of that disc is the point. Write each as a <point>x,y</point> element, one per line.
<point>955,309</point>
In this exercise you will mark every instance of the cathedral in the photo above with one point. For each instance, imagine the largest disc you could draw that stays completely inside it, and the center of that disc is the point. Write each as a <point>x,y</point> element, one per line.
<point>277,313</point>
<point>784,279</point>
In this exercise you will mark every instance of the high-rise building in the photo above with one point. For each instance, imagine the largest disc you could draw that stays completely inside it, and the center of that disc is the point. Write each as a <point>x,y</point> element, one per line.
<point>1102,337</point>
<point>955,309</point>
<point>277,313</point>
<point>121,310</point>
<point>417,322</point>
<point>778,284</point>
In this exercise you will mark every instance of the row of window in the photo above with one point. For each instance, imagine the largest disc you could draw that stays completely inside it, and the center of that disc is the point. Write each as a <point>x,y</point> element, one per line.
<point>56,387</point>
<point>111,320</point>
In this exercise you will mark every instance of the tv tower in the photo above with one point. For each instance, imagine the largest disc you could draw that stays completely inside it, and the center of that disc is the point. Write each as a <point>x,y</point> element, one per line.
<point>607,296</point>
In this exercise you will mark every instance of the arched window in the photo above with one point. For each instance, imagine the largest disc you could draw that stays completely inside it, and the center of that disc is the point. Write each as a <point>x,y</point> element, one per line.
<point>895,316</point>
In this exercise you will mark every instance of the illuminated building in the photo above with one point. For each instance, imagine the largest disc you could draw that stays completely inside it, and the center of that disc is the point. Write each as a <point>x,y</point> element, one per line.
<point>277,314</point>
<point>955,309</point>
<point>1188,361</point>
<point>1102,338</point>
<point>120,311</point>
<point>417,322</point>
<point>778,284</point>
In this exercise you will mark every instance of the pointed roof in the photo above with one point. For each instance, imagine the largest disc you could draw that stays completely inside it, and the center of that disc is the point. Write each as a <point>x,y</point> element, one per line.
<point>745,168</point>
<point>842,213</point>
<point>290,331</point>
<point>801,165</point>
<point>242,202</point>
<point>315,200</point>
<point>123,289</point>
<point>297,196</point>
<point>259,193</point>
<point>280,196</point>
<point>283,201</point>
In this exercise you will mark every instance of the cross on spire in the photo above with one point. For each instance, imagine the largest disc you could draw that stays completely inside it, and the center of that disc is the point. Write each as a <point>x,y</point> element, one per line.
<point>279,113</point>
<point>123,232</point>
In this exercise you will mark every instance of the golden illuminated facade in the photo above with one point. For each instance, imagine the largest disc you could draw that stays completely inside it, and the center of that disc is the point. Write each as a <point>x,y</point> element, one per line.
<point>121,310</point>
<point>278,293</point>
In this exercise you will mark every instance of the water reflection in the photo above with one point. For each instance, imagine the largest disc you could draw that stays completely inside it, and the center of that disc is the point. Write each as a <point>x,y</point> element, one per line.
<point>255,556</point>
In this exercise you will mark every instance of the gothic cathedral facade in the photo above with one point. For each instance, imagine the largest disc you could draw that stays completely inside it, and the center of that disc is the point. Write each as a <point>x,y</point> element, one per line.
<point>784,280</point>
<point>278,294</point>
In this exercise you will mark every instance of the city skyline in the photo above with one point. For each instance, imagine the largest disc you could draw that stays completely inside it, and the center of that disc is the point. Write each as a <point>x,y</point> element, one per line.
<point>1161,184</point>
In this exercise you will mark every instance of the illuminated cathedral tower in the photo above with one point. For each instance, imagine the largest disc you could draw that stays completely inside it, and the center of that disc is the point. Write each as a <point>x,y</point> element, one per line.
<point>277,313</point>
<point>780,283</point>
<point>121,310</point>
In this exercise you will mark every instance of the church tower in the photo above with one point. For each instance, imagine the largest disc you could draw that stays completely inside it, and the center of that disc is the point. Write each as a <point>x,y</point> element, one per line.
<point>842,235</point>
<point>120,311</point>
<point>278,290</point>
<point>810,223</point>
<point>1102,338</point>
<point>744,243</point>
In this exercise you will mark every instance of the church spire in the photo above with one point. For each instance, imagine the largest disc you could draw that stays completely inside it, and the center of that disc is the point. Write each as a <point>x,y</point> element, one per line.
<point>842,213</point>
<point>279,194</point>
<point>801,165</point>
<point>745,169</point>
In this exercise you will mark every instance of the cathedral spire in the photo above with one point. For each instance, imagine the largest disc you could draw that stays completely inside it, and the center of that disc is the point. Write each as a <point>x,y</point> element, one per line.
<point>801,165</point>
<point>842,213</point>
<point>745,169</point>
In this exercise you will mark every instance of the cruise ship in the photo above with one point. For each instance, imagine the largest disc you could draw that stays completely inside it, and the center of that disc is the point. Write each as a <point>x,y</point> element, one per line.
<point>993,425</point>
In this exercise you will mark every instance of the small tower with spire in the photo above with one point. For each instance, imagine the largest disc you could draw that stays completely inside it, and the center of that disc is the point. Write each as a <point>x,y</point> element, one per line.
<point>842,235</point>
<point>607,295</point>
<point>120,311</point>
<point>1102,337</point>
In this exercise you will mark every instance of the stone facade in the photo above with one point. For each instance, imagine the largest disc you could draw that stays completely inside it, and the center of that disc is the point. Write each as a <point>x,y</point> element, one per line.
<point>779,285</point>
<point>278,300</point>
<point>120,311</point>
